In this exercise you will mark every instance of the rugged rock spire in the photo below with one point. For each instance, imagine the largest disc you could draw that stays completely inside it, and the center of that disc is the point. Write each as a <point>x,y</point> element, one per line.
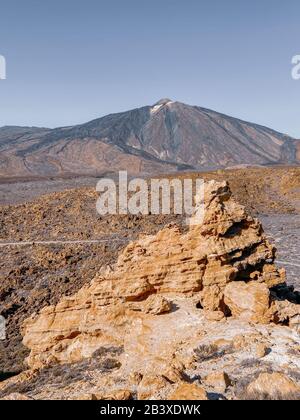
<point>225,265</point>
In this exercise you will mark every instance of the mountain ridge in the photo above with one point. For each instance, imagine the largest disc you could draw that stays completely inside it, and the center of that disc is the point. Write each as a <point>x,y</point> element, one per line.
<point>164,137</point>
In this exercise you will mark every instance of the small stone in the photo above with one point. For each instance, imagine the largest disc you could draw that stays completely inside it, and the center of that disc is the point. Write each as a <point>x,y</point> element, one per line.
<point>150,385</point>
<point>186,391</point>
<point>117,395</point>
<point>214,315</point>
<point>174,374</point>
<point>261,350</point>
<point>157,305</point>
<point>219,381</point>
<point>135,378</point>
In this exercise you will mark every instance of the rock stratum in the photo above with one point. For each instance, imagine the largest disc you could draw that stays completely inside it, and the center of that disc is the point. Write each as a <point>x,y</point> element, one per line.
<point>176,311</point>
<point>153,139</point>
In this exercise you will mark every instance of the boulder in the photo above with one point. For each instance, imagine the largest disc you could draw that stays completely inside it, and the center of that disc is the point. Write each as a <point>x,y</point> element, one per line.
<point>273,385</point>
<point>157,305</point>
<point>248,301</point>
<point>286,312</point>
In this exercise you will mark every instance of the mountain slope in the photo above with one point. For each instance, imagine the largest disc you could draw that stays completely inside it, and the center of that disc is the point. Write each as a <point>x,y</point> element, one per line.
<point>164,137</point>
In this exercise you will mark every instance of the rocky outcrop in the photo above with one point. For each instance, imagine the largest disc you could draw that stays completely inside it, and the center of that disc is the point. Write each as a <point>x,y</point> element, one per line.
<point>223,264</point>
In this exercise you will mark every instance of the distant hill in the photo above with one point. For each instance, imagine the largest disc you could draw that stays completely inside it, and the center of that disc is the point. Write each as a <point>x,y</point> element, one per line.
<point>160,138</point>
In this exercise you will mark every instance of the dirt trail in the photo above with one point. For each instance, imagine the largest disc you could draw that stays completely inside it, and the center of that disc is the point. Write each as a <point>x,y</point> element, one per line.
<point>61,242</point>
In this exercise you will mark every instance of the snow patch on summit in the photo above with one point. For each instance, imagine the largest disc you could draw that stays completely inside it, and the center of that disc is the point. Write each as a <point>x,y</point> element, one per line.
<point>160,104</point>
<point>155,109</point>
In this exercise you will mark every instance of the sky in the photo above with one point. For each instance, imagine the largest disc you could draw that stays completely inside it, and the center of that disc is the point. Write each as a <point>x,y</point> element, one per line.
<point>71,61</point>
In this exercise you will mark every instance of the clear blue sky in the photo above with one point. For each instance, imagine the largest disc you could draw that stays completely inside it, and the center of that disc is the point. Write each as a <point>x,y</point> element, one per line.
<point>70,61</point>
